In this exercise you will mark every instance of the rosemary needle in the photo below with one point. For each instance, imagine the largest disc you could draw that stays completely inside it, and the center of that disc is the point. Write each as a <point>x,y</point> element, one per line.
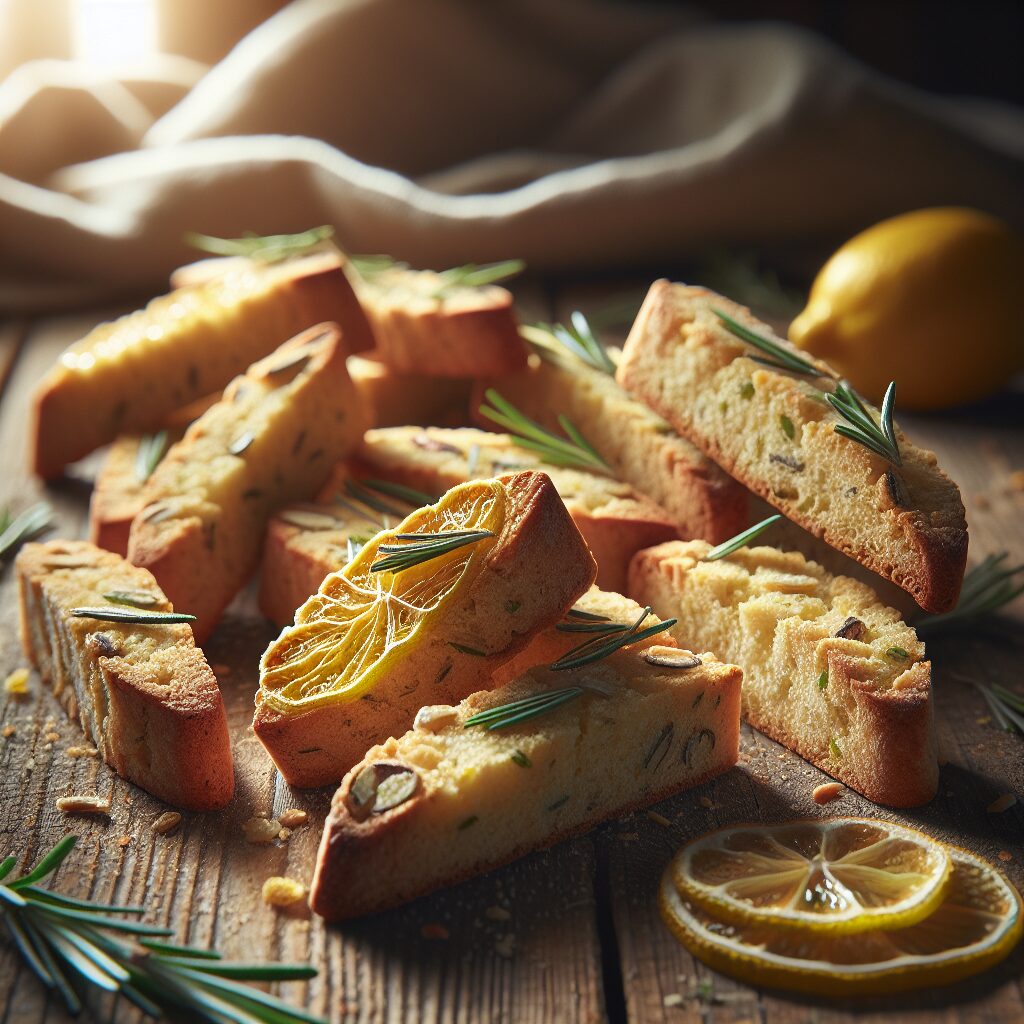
<point>265,248</point>
<point>423,547</point>
<point>132,618</point>
<point>517,711</point>
<point>604,644</point>
<point>986,588</point>
<point>578,339</point>
<point>23,527</point>
<point>727,547</point>
<point>152,448</point>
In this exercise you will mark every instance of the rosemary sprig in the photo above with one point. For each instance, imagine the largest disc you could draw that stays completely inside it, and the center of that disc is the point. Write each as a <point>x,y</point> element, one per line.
<point>473,275</point>
<point>774,355</point>
<point>417,499</point>
<point>516,711</point>
<point>23,527</point>
<point>152,448</point>
<point>361,493</point>
<point>579,613</point>
<point>727,547</point>
<point>423,547</point>
<point>576,451</point>
<point>61,938</point>
<point>880,437</point>
<point>132,618</point>
<point>600,646</point>
<point>986,588</point>
<point>578,339</point>
<point>265,248</point>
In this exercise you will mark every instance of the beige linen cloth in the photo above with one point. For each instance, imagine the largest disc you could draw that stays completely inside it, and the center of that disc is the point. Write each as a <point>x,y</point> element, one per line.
<point>572,133</point>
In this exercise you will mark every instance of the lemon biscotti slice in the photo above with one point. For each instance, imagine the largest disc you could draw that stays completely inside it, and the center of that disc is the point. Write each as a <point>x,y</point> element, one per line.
<point>426,611</point>
<point>616,520</point>
<point>762,414</point>
<point>130,374</point>
<point>143,692</point>
<point>270,440</point>
<point>546,756</point>
<point>641,448</point>
<point>829,670</point>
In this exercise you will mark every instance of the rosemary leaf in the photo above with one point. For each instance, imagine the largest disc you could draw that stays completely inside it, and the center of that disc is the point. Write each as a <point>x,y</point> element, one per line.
<point>776,356</point>
<point>362,491</point>
<point>880,437</point>
<point>987,587</point>
<point>474,275</point>
<point>600,646</point>
<point>417,499</point>
<point>152,448</point>
<point>423,547</point>
<point>579,613</point>
<point>132,618</point>
<point>578,339</point>
<point>24,527</point>
<point>740,540</point>
<point>265,248</point>
<point>132,598</point>
<point>505,715</point>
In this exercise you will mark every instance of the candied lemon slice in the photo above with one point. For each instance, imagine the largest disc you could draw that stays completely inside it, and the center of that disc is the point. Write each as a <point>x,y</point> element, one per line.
<point>844,875</point>
<point>976,925</point>
<point>347,635</point>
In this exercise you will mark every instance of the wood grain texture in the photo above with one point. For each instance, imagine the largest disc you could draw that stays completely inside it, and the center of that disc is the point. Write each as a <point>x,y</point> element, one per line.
<point>568,934</point>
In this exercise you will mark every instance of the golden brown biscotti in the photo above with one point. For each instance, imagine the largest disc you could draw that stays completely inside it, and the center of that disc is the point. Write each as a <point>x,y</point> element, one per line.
<point>144,694</point>
<point>129,375</point>
<point>829,670</point>
<point>773,431</point>
<point>398,399</point>
<point>372,646</point>
<point>444,802</point>
<point>272,439</point>
<point>641,448</point>
<point>425,324</point>
<point>616,521</point>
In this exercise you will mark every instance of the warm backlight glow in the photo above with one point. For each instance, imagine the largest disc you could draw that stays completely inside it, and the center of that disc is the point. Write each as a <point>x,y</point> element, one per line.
<point>114,32</point>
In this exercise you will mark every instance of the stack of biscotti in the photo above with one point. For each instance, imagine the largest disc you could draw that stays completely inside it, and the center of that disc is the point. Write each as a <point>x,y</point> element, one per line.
<point>773,430</point>
<point>615,519</point>
<point>130,375</point>
<point>143,692</point>
<point>829,670</point>
<point>450,798</point>
<point>378,641</point>
<point>398,399</point>
<point>270,440</point>
<point>641,448</point>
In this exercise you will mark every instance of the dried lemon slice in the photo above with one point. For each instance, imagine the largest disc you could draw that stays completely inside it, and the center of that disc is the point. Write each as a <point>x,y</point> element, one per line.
<point>976,925</point>
<point>841,876</point>
<point>348,635</point>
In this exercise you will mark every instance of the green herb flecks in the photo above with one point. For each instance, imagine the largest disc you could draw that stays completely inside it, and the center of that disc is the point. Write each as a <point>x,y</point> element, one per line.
<point>132,618</point>
<point>986,588</point>
<point>422,547</point>
<point>578,339</point>
<point>132,598</point>
<point>740,540</point>
<point>264,248</point>
<point>897,654</point>
<point>823,679</point>
<point>861,427</point>
<point>834,749</point>
<point>152,448</point>
<point>773,354</point>
<point>505,715</point>
<point>61,938</point>
<point>575,451</point>
<point>606,643</point>
<point>23,527</point>
<point>521,759</point>
<point>787,427</point>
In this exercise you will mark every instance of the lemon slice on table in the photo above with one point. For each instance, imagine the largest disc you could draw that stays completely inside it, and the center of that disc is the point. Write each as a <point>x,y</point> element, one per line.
<point>347,636</point>
<point>840,876</point>
<point>976,925</point>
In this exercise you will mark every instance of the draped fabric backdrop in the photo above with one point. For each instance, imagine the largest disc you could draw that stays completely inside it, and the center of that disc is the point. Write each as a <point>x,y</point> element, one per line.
<point>575,133</point>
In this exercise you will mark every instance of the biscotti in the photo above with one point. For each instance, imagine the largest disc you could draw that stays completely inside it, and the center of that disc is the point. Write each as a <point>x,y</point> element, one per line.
<point>615,520</point>
<point>428,323</point>
<point>450,799</point>
<point>774,431</point>
<point>829,670</point>
<point>143,693</point>
<point>129,375</point>
<point>378,640</point>
<point>398,399</point>
<point>272,439</point>
<point>638,445</point>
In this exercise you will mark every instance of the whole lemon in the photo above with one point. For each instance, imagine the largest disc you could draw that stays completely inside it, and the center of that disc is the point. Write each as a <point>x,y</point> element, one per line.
<point>929,299</point>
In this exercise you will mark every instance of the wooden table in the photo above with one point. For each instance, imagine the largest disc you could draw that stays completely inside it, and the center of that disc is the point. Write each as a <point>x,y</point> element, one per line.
<point>567,934</point>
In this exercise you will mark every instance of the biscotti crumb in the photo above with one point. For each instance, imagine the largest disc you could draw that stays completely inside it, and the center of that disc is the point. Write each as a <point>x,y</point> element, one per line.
<point>279,891</point>
<point>826,793</point>
<point>496,913</point>
<point>124,840</point>
<point>84,804</point>
<point>659,819</point>
<point>1002,803</point>
<point>284,834</point>
<point>16,684</point>
<point>434,931</point>
<point>261,830</point>
<point>81,752</point>
<point>1005,856</point>
<point>293,817</point>
<point>167,821</point>
<point>51,737</point>
<point>9,731</point>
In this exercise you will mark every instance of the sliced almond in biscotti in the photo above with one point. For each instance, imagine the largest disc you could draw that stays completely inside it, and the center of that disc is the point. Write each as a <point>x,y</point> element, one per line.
<point>829,670</point>
<point>272,439</point>
<point>426,611</point>
<point>143,692</point>
<point>451,799</point>
<point>641,448</point>
<point>129,375</point>
<point>431,324</point>
<point>773,430</point>
<point>615,519</point>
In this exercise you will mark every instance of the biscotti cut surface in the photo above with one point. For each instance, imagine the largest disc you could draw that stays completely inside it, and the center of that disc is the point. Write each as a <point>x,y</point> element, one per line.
<point>426,325</point>
<point>398,399</point>
<point>773,432</point>
<point>829,670</point>
<point>616,520</point>
<point>272,439</point>
<point>444,801</point>
<point>641,448</point>
<point>372,646</point>
<point>144,694</point>
<point>129,375</point>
